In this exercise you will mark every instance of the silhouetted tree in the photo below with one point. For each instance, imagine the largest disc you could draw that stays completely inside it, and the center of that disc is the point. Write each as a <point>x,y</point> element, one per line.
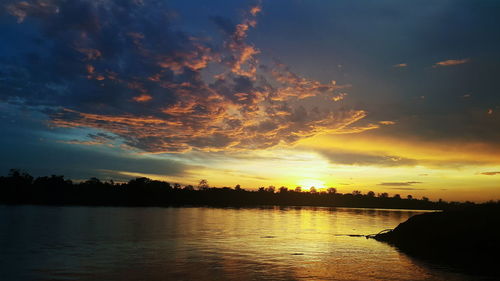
<point>270,189</point>
<point>237,187</point>
<point>21,188</point>
<point>203,185</point>
<point>283,189</point>
<point>54,182</point>
<point>383,195</point>
<point>93,181</point>
<point>20,178</point>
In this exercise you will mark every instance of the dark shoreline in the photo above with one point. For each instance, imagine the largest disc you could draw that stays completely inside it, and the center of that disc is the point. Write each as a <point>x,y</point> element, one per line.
<point>465,239</point>
<point>21,188</point>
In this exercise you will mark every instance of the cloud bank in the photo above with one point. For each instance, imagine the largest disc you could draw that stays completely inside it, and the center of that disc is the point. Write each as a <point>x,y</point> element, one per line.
<point>120,67</point>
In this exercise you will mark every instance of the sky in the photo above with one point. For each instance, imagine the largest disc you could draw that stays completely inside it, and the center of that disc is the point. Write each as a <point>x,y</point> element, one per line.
<point>390,96</point>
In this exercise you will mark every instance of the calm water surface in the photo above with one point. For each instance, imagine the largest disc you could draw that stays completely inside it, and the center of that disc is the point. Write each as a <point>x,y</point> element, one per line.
<point>103,243</point>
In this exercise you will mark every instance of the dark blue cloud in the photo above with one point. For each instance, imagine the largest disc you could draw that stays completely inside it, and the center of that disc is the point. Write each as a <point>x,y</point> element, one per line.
<point>86,35</point>
<point>125,68</point>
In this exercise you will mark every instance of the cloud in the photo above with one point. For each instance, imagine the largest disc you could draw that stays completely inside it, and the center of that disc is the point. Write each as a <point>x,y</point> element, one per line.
<point>84,162</point>
<point>407,183</point>
<point>406,188</point>
<point>400,65</point>
<point>120,67</point>
<point>142,98</point>
<point>92,139</point>
<point>21,9</point>
<point>241,60</point>
<point>450,62</point>
<point>295,86</point>
<point>363,159</point>
<point>490,173</point>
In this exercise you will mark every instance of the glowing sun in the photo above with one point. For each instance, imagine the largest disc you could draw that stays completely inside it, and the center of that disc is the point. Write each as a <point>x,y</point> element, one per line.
<point>308,183</point>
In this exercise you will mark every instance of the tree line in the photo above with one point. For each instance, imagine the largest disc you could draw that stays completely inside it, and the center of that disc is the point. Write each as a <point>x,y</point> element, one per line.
<point>19,187</point>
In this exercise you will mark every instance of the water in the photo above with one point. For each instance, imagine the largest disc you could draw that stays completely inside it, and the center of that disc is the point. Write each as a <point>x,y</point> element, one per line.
<point>104,243</point>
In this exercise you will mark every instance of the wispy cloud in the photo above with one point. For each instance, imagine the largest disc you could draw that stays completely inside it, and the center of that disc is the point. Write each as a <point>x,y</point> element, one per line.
<point>92,139</point>
<point>400,65</point>
<point>450,62</point>
<point>490,173</point>
<point>407,183</point>
<point>21,9</point>
<point>406,188</point>
<point>366,159</point>
<point>142,98</point>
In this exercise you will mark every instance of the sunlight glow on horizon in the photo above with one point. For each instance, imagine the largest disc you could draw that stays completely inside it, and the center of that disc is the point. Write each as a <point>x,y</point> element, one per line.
<point>307,183</point>
<point>299,167</point>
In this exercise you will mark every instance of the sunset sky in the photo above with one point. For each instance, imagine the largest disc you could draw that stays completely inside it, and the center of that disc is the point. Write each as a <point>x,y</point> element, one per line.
<point>390,96</point>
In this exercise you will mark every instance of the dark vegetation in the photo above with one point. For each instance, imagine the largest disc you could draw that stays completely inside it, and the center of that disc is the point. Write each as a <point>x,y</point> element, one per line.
<point>21,188</point>
<point>465,238</point>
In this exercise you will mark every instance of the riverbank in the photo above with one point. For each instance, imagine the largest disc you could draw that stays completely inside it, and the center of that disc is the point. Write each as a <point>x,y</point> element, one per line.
<point>465,238</point>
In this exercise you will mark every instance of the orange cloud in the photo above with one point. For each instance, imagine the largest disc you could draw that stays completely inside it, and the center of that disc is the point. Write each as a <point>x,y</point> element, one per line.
<point>195,60</point>
<point>387,122</point>
<point>339,97</point>
<point>90,69</point>
<point>213,123</point>
<point>143,98</point>
<point>243,61</point>
<point>80,142</point>
<point>245,55</point>
<point>450,62</point>
<point>400,65</point>
<point>300,87</point>
<point>237,111</point>
<point>255,10</point>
